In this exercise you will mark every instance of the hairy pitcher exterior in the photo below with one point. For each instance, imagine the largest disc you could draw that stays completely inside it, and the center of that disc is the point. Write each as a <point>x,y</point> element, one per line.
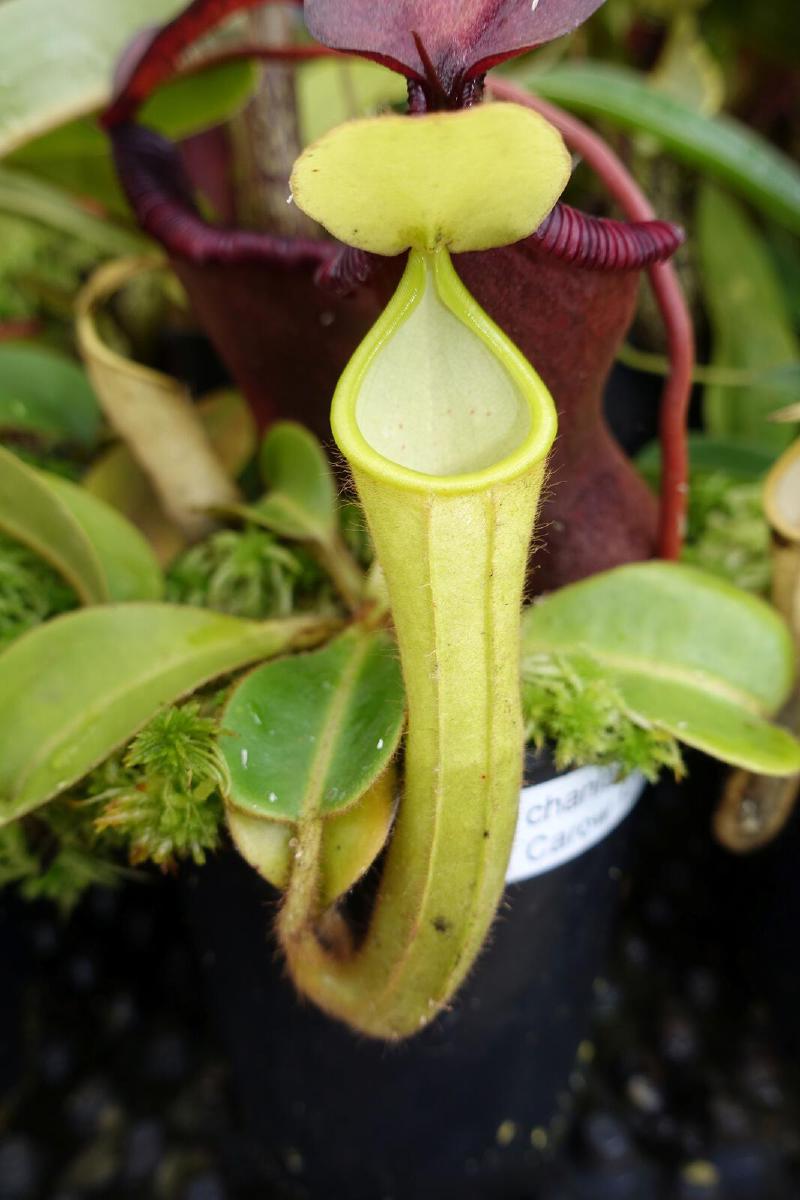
<point>453,549</point>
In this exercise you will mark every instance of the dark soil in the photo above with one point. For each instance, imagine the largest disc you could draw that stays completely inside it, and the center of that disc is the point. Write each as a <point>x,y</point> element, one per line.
<point>124,1092</point>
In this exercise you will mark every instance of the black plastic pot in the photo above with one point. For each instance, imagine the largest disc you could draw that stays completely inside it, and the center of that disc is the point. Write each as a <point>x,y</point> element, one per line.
<point>770,879</point>
<point>465,1108</point>
<point>15,968</point>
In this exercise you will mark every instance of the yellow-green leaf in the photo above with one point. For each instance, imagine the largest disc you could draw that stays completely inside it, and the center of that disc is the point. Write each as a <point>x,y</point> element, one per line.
<point>57,58</point>
<point>74,689</point>
<point>152,412</point>
<point>749,319</point>
<point>687,652</point>
<point>351,840</point>
<point>100,554</point>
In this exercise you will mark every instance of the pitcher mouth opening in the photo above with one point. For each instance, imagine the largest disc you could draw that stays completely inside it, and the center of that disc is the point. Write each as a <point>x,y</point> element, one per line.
<point>437,397</point>
<point>436,400</point>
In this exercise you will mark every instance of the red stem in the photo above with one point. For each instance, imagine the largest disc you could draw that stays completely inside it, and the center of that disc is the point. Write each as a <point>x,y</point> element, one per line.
<point>283,54</point>
<point>154,58</point>
<point>14,331</point>
<point>674,310</point>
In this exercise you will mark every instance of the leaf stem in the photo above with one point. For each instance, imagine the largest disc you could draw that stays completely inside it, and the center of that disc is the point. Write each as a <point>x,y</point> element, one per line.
<point>345,573</point>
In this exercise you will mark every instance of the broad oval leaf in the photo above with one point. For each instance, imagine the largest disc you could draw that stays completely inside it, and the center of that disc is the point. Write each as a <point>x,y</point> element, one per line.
<point>461,37</point>
<point>302,505</point>
<point>301,502</point>
<point>469,180</point>
<point>750,322</point>
<point>308,735</point>
<point>100,554</point>
<point>351,841</point>
<point>74,689</point>
<point>129,565</point>
<point>46,394</point>
<point>687,651</point>
<point>713,723</point>
<point>719,146</point>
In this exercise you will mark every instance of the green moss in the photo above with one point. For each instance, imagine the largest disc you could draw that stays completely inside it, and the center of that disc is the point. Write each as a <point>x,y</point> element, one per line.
<point>161,799</point>
<point>577,711</point>
<point>40,269</point>
<point>56,855</point>
<point>246,573</point>
<point>728,533</point>
<point>30,591</point>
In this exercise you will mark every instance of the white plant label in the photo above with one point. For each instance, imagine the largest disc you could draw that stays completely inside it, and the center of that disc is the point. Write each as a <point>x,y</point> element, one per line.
<point>564,817</point>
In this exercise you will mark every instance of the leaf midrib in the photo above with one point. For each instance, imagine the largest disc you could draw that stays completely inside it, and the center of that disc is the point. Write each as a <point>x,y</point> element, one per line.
<point>694,678</point>
<point>255,635</point>
<point>311,806</point>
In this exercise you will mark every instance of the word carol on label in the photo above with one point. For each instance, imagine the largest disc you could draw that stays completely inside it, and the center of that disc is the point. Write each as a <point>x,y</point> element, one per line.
<point>564,817</point>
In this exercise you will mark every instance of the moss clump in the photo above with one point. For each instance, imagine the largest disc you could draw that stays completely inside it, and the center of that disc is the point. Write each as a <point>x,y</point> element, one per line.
<point>728,533</point>
<point>570,705</point>
<point>56,855</point>
<point>161,799</point>
<point>30,591</point>
<point>246,573</point>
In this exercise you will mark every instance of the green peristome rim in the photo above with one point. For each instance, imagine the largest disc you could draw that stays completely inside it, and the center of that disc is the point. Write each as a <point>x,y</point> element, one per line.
<point>436,269</point>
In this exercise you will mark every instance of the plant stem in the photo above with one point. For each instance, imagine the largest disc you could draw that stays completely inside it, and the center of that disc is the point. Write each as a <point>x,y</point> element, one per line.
<point>345,573</point>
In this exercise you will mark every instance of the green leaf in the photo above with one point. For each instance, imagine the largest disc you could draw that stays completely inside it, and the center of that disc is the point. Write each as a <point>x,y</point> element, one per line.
<point>24,196</point>
<point>333,90</point>
<point>116,477</point>
<point>57,58</point>
<point>686,68</point>
<point>712,723</point>
<point>75,689</point>
<point>750,324</point>
<point>77,156</point>
<point>711,455</point>
<point>308,735</point>
<point>688,653</point>
<point>301,502</point>
<point>785,251</point>
<point>97,551</point>
<point>718,146</point>
<point>47,394</point>
<point>191,103</point>
<point>130,567</point>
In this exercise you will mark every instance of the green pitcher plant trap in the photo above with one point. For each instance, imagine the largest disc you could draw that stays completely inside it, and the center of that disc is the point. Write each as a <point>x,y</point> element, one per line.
<point>446,429</point>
